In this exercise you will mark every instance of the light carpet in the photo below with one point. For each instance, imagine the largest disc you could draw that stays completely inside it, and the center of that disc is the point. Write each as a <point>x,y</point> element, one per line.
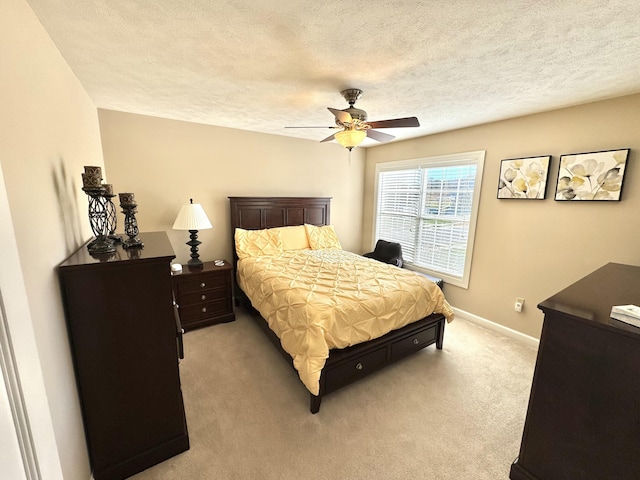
<point>455,413</point>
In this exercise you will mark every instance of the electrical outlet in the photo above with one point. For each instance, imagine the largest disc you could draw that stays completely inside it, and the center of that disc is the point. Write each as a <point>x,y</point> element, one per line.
<point>519,304</point>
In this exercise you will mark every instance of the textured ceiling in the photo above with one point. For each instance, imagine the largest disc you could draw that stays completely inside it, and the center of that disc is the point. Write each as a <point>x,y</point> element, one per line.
<point>262,65</point>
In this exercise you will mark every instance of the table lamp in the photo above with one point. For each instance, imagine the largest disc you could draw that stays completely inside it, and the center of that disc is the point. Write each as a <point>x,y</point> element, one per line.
<point>192,217</point>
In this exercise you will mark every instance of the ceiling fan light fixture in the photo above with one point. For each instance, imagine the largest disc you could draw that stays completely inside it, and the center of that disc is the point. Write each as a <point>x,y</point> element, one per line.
<point>350,138</point>
<point>354,127</point>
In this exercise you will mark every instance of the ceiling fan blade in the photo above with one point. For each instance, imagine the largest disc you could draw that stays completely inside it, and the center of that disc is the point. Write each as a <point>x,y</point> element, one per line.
<point>379,136</point>
<point>329,138</point>
<point>343,117</point>
<point>396,123</point>
<point>323,126</point>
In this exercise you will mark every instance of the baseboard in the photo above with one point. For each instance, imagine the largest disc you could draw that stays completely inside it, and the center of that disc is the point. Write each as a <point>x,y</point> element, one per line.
<point>496,327</point>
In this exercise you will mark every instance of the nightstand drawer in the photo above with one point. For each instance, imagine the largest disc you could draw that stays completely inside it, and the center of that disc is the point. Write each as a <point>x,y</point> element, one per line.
<point>197,283</point>
<point>195,298</point>
<point>205,309</point>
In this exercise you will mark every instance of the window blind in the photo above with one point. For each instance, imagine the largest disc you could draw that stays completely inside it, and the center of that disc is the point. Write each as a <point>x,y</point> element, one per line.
<point>429,209</point>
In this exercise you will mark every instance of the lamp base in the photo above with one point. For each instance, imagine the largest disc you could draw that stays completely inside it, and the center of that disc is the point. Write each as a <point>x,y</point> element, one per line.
<point>193,243</point>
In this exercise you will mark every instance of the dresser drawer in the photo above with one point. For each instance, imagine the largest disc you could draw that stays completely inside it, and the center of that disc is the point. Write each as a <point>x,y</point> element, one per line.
<point>358,367</point>
<point>413,342</point>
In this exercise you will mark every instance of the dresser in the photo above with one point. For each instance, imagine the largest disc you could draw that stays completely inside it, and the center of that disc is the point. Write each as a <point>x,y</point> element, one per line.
<point>583,418</point>
<point>125,340</point>
<point>204,294</point>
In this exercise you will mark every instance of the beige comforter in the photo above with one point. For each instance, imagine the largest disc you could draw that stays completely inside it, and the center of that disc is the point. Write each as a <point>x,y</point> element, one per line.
<point>315,300</point>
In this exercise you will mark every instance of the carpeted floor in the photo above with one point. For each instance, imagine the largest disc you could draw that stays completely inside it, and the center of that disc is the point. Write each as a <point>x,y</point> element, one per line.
<point>455,413</point>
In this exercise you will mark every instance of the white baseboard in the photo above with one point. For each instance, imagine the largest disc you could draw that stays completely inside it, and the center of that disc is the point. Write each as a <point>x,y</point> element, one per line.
<point>496,327</point>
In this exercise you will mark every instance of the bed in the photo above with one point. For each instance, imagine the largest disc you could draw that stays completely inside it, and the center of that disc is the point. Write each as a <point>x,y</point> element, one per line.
<point>336,331</point>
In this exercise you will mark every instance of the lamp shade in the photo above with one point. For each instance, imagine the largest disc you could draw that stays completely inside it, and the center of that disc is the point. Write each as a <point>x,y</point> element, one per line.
<point>350,138</point>
<point>191,217</point>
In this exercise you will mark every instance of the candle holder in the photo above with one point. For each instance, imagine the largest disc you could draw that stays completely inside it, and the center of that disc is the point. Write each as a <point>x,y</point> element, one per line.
<point>98,219</point>
<point>129,208</point>
<point>99,210</point>
<point>112,219</point>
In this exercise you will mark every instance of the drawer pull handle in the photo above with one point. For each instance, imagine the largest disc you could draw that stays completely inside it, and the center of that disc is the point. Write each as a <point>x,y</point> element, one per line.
<point>203,297</point>
<point>359,366</point>
<point>204,309</point>
<point>416,341</point>
<point>202,285</point>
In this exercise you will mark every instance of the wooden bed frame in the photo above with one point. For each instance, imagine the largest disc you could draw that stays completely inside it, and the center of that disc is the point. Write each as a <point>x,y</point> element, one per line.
<point>344,366</point>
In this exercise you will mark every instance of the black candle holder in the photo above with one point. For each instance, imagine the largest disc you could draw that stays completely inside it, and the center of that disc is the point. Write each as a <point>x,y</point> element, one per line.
<point>98,219</point>
<point>131,226</point>
<point>112,219</point>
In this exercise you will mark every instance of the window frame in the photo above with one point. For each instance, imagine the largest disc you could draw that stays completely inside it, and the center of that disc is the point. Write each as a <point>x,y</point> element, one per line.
<point>476,158</point>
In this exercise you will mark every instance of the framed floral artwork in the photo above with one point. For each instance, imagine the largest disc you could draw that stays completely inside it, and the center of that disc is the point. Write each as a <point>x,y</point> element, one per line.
<point>524,178</point>
<point>592,176</point>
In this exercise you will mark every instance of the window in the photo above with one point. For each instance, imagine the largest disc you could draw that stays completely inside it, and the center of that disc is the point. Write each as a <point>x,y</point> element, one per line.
<point>429,206</point>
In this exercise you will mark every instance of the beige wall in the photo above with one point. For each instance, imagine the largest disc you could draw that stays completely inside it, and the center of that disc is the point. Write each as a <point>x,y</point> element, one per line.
<point>166,162</point>
<point>526,249</point>
<point>532,249</point>
<point>48,131</point>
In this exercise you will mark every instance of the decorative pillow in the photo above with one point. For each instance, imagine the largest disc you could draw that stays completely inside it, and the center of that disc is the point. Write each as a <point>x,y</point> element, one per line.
<point>322,237</point>
<point>293,238</point>
<point>257,243</point>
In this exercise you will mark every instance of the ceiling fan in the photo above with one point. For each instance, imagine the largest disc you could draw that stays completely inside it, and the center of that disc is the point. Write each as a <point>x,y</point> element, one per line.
<point>354,125</point>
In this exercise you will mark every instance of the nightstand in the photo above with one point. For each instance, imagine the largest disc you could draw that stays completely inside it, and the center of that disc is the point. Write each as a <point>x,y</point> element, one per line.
<point>203,295</point>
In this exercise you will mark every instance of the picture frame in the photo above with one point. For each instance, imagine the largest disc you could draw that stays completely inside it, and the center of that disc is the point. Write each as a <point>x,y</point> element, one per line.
<point>524,178</point>
<point>592,176</point>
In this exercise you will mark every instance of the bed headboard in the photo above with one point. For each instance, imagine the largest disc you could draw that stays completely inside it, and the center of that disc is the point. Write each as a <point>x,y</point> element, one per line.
<point>256,213</point>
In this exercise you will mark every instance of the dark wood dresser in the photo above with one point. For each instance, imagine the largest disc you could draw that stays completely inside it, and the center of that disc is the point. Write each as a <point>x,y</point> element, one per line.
<point>125,341</point>
<point>204,294</point>
<point>583,419</point>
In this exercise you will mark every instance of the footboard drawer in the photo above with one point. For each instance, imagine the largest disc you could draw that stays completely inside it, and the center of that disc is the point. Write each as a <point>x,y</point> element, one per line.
<point>413,342</point>
<point>350,370</point>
